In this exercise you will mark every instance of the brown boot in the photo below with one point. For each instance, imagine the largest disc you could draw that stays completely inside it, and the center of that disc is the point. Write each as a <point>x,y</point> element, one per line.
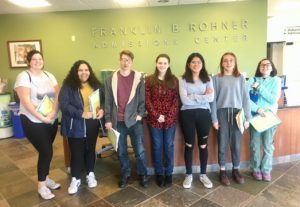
<point>223,178</point>
<point>236,175</point>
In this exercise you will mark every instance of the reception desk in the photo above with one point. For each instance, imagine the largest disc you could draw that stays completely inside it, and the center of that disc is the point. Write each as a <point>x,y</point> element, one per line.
<point>287,144</point>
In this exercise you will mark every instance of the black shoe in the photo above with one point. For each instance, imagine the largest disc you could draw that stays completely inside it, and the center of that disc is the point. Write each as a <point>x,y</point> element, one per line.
<point>160,180</point>
<point>124,181</point>
<point>168,180</point>
<point>144,181</point>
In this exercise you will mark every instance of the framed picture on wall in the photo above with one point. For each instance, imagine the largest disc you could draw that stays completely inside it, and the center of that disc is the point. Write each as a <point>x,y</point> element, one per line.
<point>17,51</point>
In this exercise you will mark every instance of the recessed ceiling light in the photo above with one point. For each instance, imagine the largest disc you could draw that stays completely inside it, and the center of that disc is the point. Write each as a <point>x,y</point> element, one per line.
<point>30,3</point>
<point>129,1</point>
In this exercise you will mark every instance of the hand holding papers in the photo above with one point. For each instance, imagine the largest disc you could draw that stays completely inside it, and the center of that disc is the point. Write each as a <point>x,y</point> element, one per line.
<point>94,100</point>
<point>240,120</point>
<point>263,123</point>
<point>45,106</point>
<point>113,137</point>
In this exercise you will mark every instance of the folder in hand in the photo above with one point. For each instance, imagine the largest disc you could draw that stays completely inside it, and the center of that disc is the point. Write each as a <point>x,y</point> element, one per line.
<point>113,136</point>
<point>261,123</point>
<point>240,120</point>
<point>45,106</point>
<point>94,101</point>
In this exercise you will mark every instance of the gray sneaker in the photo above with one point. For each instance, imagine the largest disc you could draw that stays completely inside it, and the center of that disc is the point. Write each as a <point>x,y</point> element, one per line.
<point>45,193</point>
<point>205,181</point>
<point>52,184</point>
<point>187,183</point>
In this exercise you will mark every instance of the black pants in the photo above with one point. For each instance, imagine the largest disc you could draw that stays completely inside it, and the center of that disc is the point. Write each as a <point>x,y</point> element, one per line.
<point>41,136</point>
<point>193,120</point>
<point>83,155</point>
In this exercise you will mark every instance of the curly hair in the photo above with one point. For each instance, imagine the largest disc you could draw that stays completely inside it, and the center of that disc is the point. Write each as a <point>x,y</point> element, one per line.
<point>72,80</point>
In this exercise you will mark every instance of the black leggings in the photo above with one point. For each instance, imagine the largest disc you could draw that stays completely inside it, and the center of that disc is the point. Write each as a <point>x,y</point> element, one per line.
<point>41,136</point>
<point>83,155</point>
<point>193,120</point>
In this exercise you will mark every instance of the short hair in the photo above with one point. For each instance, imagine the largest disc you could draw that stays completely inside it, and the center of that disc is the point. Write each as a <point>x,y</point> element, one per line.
<point>32,53</point>
<point>128,53</point>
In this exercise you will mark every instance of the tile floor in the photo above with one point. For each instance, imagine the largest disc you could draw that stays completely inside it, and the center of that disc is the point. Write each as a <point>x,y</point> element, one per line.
<point>18,185</point>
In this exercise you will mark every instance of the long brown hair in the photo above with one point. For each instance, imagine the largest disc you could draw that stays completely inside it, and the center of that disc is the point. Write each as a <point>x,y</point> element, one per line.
<point>170,79</point>
<point>235,72</point>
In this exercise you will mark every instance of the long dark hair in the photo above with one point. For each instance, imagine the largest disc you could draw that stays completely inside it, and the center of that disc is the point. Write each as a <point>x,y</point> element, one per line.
<point>273,72</point>
<point>72,79</point>
<point>235,72</point>
<point>188,75</point>
<point>170,79</point>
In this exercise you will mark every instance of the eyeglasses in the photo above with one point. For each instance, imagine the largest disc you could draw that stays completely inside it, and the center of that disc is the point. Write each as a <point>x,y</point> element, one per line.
<point>196,62</point>
<point>124,60</point>
<point>265,65</point>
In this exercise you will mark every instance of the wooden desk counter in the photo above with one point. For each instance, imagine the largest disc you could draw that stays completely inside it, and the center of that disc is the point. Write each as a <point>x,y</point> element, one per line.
<point>287,142</point>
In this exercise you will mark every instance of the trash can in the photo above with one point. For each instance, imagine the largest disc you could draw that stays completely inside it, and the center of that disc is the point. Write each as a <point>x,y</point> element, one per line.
<point>5,117</point>
<point>17,125</point>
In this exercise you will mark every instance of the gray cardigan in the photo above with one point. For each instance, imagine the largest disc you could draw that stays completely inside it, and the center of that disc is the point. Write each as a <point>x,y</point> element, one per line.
<point>136,102</point>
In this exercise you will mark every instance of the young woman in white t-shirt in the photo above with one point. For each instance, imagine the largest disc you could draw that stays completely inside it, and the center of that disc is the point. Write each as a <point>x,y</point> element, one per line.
<point>32,86</point>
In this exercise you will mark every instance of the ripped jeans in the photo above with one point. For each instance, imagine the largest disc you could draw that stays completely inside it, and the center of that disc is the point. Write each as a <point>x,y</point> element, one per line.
<point>192,121</point>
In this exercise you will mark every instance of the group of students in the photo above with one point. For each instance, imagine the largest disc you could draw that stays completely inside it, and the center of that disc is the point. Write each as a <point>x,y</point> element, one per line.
<point>200,101</point>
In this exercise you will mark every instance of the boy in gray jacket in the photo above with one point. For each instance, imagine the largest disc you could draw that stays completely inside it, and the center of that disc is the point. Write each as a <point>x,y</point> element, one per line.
<point>124,109</point>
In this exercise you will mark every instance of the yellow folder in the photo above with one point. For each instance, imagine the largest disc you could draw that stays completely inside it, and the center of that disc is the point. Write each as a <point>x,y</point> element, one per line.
<point>45,106</point>
<point>113,137</point>
<point>263,123</point>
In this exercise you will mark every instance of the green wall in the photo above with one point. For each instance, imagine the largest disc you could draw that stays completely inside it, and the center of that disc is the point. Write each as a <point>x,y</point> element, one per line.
<point>211,29</point>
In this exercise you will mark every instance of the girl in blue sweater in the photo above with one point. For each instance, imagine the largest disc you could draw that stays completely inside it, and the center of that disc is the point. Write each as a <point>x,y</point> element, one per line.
<point>267,87</point>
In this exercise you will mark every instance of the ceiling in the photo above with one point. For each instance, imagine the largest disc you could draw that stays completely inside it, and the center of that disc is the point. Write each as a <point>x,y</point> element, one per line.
<point>275,7</point>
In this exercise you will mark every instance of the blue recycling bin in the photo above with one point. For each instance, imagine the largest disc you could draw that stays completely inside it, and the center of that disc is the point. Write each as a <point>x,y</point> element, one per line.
<point>17,125</point>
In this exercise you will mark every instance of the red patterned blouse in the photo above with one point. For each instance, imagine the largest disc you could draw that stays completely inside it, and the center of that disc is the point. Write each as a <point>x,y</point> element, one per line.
<point>161,100</point>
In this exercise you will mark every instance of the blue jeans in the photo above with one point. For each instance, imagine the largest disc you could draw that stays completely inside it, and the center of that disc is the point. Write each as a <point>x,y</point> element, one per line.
<point>136,137</point>
<point>264,164</point>
<point>163,140</point>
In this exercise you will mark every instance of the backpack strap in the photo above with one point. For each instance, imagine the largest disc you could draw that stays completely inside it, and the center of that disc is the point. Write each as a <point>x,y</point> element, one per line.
<point>28,75</point>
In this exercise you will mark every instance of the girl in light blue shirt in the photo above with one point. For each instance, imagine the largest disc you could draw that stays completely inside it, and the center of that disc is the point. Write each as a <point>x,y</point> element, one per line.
<point>267,87</point>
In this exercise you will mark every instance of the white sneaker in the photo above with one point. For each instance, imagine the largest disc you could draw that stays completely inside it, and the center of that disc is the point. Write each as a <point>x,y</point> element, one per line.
<point>187,181</point>
<point>52,184</point>
<point>73,188</point>
<point>205,181</point>
<point>46,193</point>
<point>91,180</point>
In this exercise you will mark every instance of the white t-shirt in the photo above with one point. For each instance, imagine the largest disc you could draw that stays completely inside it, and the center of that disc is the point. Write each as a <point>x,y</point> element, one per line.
<point>39,87</point>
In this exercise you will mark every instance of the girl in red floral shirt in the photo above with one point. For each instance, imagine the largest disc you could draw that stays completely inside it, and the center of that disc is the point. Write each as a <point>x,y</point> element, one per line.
<point>162,104</point>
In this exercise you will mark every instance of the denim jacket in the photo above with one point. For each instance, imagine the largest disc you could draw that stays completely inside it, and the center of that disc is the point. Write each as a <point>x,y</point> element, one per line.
<point>71,105</point>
